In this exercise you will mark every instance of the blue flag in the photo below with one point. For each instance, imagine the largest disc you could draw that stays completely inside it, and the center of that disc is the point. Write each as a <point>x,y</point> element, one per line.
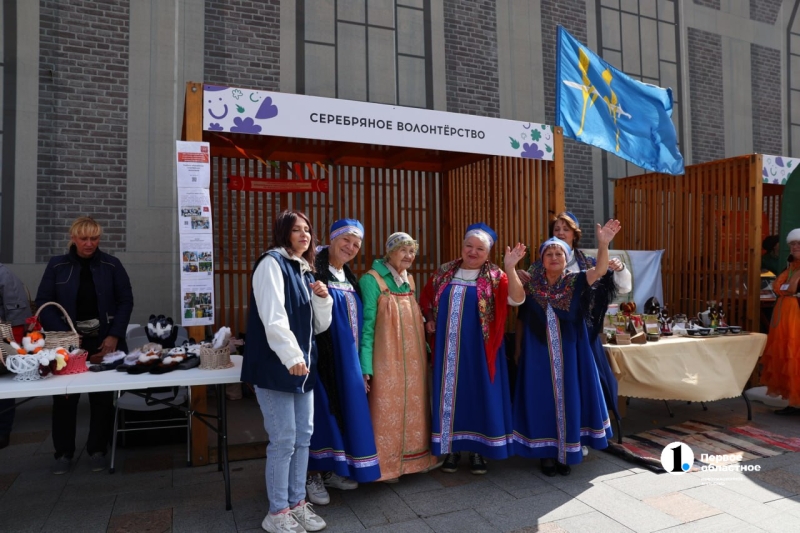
<point>599,105</point>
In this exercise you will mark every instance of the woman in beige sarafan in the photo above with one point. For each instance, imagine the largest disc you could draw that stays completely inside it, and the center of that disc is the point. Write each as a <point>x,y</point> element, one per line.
<point>394,362</point>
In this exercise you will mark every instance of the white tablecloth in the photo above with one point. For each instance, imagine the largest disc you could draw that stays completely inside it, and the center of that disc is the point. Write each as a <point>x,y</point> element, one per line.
<point>112,380</point>
<point>686,368</point>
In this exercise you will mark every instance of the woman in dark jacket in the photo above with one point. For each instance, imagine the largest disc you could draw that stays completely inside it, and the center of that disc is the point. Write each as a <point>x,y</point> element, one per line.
<point>95,290</point>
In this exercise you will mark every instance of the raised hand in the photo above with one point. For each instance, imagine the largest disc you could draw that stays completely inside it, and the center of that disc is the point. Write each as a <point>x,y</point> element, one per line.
<point>605,234</point>
<point>615,264</point>
<point>514,255</point>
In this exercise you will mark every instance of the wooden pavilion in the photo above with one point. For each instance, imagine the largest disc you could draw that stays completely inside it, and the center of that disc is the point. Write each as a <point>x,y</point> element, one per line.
<point>428,192</point>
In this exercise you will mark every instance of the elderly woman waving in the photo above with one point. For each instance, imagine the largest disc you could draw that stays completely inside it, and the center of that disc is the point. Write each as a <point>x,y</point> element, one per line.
<point>393,361</point>
<point>471,399</point>
<point>558,402</point>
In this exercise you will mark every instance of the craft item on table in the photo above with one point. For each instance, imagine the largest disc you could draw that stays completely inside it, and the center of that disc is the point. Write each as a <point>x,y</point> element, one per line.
<point>695,329</point>
<point>162,330</point>
<point>652,306</point>
<point>170,361</point>
<point>221,337</point>
<point>665,322</point>
<point>109,361</point>
<point>149,357</point>
<point>636,324</point>
<point>652,328</point>
<point>217,354</point>
<point>627,308</point>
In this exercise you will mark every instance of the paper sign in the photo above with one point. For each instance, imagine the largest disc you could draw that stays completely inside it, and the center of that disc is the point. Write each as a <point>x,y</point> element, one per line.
<point>197,256</point>
<point>194,211</point>
<point>197,302</point>
<point>194,164</point>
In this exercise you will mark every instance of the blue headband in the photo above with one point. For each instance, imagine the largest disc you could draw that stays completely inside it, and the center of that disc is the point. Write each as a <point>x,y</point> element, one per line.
<point>573,217</point>
<point>480,226</point>
<point>557,242</point>
<point>345,226</point>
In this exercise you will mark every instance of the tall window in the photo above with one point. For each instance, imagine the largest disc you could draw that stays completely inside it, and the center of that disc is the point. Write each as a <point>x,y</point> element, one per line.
<point>640,37</point>
<point>368,50</point>
<point>794,81</point>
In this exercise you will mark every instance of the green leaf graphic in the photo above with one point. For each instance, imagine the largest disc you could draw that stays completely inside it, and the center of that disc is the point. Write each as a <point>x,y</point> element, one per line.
<point>547,147</point>
<point>788,164</point>
<point>239,108</point>
<point>514,143</point>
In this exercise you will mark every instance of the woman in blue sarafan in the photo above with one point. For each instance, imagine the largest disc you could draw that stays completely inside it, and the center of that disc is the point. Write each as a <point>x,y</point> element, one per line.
<point>466,304</point>
<point>343,443</point>
<point>558,402</point>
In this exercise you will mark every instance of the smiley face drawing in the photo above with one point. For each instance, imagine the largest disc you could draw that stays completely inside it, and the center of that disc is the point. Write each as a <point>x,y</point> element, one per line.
<point>218,117</point>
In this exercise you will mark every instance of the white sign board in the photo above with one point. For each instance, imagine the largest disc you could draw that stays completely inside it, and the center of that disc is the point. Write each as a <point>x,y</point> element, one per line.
<point>230,109</point>
<point>777,169</point>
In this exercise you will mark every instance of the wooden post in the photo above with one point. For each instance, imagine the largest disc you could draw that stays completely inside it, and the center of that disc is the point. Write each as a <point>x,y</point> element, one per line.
<point>193,131</point>
<point>558,203</point>
<point>755,208</point>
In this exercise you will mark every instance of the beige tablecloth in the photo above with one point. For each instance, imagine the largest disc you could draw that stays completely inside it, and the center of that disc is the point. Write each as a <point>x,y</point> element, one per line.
<point>684,368</point>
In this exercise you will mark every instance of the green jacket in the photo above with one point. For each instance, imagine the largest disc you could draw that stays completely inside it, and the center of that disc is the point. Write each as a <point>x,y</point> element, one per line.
<point>369,298</point>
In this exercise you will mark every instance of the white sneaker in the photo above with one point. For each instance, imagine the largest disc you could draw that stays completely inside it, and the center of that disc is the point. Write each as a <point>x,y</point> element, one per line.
<point>585,450</point>
<point>306,517</point>
<point>281,523</point>
<point>334,480</point>
<point>315,489</point>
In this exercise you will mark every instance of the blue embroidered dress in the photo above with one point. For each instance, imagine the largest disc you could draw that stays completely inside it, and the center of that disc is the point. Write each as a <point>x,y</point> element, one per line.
<point>470,412</point>
<point>343,440</point>
<point>558,401</point>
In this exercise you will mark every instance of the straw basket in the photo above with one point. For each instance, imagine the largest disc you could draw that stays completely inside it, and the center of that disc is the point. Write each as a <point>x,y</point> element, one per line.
<point>75,365</point>
<point>26,367</point>
<point>60,339</point>
<point>215,359</point>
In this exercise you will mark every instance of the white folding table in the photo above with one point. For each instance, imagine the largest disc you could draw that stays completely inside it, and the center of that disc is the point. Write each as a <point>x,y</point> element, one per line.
<point>112,380</point>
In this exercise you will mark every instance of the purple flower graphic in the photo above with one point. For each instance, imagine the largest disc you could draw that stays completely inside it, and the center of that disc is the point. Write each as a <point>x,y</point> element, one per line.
<point>245,125</point>
<point>214,126</point>
<point>531,151</point>
<point>267,109</point>
<point>779,161</point>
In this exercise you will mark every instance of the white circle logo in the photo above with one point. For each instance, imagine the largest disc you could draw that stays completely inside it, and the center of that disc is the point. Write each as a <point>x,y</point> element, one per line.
<point>677,458</point>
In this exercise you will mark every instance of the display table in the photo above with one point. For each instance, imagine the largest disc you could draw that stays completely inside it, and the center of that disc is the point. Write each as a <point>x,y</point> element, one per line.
<point>122,381</point>
<point>686,368</point>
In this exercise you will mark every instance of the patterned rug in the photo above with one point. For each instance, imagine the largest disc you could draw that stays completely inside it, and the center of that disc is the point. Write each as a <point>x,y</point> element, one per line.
<point>743,443</point>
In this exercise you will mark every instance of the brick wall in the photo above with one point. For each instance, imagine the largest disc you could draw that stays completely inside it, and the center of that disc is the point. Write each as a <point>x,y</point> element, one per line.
<point>766,84</point>
<point>579,183</point>
<point>705,90</point>
<point>713,4</point>
<point>83,112</point>
<point>765,10</point>
<point>242,43</point>
<point>470,47</point>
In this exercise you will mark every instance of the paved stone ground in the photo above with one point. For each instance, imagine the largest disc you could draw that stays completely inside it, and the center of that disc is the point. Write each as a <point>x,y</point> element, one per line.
<point>154,491</point>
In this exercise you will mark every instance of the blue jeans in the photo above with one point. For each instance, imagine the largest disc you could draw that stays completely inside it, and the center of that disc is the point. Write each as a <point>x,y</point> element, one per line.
<point>289,421</point>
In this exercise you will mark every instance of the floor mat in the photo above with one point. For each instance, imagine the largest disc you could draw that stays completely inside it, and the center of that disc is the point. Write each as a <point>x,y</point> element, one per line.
<point>728,445</point>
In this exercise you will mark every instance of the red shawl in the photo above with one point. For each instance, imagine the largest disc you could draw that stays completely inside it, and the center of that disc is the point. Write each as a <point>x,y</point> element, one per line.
<point>492,285</point>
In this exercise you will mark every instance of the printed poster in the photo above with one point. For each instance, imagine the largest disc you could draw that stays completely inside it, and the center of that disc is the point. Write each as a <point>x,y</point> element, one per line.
<point>194,211</point>
<point>194,164</point>
<point>197,256</point>
<point>197,297</point>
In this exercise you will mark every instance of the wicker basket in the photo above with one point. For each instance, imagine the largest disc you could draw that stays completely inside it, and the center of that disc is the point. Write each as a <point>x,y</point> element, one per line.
<point>5,349</point>
<point>215,359</point>
<point>26,367</point>
<point>60,339</point>
<point>75,365</point>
